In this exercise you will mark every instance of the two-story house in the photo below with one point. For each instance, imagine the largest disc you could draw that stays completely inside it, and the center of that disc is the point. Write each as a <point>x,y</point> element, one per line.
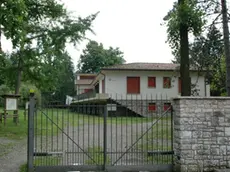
<point>137,82</point>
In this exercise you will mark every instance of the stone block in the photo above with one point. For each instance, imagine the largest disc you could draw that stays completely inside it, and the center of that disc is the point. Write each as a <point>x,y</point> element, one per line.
<point>197,134</point>
<point>227,131</point>
<point>193,168</point>
<point>221,140</point>
<point>215,151</point>
<point>207,134</point>
<point>197,146</point>
<point>186,134</point>
<point>217,134</point>
<point>223,150</point>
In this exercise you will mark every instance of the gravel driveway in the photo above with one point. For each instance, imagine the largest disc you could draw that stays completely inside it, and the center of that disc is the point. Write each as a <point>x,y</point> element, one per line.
<point>15,152</point>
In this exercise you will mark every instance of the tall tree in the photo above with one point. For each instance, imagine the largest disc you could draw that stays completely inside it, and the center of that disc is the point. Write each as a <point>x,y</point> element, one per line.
<point>42,33</point>
<point>226,43</point>
<point>185,17</point>
<point>95,56</point>
<point>184,51</point>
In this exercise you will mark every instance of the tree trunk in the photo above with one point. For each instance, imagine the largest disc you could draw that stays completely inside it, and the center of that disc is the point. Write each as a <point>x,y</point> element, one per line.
<point>17,86</point>
<point>0,40</point>
<point>226,44</point>
<point>19,76</point>
<point>184,61</point>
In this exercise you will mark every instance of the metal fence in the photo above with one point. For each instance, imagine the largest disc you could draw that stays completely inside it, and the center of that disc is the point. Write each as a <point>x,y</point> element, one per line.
<point>101,136</point>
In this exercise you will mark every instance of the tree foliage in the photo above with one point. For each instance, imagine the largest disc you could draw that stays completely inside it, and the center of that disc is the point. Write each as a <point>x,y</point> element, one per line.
<point>95,56</point>
<point>39,31</point>
<point>185,17</point>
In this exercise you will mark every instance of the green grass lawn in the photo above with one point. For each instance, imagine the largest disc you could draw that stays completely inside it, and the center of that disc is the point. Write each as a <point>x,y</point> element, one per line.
<point>96,156</point>
<point>52,121</point>
<point>158,138</point>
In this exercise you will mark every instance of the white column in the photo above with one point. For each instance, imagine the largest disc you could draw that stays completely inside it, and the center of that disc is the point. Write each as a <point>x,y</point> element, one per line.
<point>100,86</point>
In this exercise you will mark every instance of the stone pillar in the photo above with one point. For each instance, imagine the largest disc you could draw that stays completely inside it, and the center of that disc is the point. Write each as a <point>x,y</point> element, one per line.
<point>201,133</point>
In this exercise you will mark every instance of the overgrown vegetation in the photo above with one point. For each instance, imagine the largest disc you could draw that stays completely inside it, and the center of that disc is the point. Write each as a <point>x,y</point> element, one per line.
<point>41,160</point>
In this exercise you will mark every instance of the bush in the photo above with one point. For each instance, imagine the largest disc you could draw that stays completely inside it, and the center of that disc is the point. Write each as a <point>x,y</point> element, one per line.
<point>25,93</point>
<point>3,90</point>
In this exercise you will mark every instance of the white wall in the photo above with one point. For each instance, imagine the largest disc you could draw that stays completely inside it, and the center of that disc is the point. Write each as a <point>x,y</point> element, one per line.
<point>115,84</point>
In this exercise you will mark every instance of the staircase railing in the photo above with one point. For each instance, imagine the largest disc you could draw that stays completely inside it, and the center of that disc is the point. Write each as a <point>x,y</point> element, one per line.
<point>87,95</point>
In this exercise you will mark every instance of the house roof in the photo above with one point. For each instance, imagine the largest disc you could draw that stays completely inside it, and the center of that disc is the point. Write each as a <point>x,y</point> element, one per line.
<point>86,74</point>
<point>146,66</point>
<point>84,82</point>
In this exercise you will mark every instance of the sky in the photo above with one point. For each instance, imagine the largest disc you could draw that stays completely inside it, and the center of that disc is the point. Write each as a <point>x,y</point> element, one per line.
<point>132,25</point>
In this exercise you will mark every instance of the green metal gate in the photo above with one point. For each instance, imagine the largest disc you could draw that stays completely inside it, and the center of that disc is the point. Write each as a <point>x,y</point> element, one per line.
<point>93,137</point>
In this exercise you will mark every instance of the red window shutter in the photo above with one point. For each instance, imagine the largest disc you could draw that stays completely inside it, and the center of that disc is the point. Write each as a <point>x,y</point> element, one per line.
<point>167,106</point>
<point>152,107</point>
<point>166,82</point>
<point>133,85</point>
<point>152,82</point>
<point>179,85</point>
<point>103,86</point>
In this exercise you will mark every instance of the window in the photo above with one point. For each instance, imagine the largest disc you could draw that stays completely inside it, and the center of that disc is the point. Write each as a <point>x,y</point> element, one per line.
<point>152,82</point>
<point>152,107</point>
<point>133,85</point>
<point>167,106</point>
<point>166,82</point>
<point>179,85</point>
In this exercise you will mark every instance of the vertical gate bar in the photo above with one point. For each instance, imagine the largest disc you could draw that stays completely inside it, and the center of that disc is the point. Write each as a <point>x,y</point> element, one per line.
<point>94,113</point>
<point>78,131</point>
<point>68,123</point>
<point>83,138</point>
<point>126,129</point>
<point>167,135</point>
<point>58,130</point>
<point>62,144</point>
<point>88,125</point>
<point>105,137</point>
<point>46,135</point>
<point>73,149</point>
<point>52,128</point>
<point>121,130</point>
<point>111,137</point>
<point>30,148</point>
<point>172,133</point>
<point>41,142</point>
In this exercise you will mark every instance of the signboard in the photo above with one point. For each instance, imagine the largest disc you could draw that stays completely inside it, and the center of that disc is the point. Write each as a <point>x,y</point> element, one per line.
<point>11,103</point>
<point>27,106</point>
<point>111,107</point>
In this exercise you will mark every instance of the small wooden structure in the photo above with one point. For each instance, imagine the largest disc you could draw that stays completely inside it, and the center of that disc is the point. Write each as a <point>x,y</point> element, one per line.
<point>10,108</point>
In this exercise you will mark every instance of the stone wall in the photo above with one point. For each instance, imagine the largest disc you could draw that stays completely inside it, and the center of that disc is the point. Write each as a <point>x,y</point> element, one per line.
<point>201,133</point>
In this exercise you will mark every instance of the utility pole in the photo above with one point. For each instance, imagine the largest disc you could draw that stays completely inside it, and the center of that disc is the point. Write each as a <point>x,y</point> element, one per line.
<point>226,43</point>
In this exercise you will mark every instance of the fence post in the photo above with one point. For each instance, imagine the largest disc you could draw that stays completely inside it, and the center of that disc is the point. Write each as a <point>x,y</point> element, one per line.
<point>105,137</point>
<point>30,145</point>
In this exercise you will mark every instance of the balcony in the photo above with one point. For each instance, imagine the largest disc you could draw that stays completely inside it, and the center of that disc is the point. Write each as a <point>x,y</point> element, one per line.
<point>91,96</point>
